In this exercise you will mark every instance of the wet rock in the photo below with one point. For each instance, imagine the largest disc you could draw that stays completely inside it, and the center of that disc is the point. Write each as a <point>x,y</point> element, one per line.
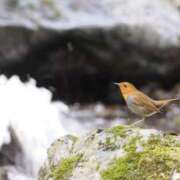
<point>121,152</point>
<point>10,154</point>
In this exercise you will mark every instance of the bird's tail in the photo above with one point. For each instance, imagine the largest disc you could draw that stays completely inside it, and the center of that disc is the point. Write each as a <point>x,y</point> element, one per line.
<point>161,103</point>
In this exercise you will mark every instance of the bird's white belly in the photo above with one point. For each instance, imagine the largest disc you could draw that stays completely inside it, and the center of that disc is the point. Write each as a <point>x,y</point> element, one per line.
<point>139,110</point>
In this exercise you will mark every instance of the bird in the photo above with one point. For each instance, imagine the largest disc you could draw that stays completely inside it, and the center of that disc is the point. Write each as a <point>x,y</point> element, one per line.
<point>139,103</point>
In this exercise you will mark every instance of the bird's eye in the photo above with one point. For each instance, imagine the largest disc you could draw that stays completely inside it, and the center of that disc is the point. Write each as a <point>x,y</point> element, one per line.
<point>125,85</point>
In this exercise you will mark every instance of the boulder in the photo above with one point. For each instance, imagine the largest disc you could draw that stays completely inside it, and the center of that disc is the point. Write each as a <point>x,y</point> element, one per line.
<point>120,152</point>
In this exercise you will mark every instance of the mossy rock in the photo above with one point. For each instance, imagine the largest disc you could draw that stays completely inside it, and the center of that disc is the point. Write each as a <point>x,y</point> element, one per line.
<point>118,153</point>
<point>65,168</point>
<point>158,158</point>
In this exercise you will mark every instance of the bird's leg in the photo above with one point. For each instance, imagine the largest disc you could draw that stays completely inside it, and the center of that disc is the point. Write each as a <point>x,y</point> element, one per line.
<point>137,122</point>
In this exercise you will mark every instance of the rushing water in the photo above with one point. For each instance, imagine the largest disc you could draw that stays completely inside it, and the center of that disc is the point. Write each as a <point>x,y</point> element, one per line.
<point>35,120</point>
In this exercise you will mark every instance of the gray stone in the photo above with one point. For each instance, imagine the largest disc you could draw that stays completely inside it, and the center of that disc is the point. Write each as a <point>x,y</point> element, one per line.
<point>116,153</point>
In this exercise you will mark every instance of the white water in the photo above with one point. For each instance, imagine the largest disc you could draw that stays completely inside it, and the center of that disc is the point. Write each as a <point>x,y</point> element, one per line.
<point>35,119</point>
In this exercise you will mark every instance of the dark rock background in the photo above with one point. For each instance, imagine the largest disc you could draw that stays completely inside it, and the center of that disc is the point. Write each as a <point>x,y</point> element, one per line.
<point>80,65</point>
<point>79,59</point>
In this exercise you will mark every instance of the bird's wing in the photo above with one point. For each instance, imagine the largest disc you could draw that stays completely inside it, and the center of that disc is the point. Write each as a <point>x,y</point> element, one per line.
<point>145,101</point>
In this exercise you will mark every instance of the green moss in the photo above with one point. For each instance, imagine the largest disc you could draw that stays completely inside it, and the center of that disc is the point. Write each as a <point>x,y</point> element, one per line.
<point>159,157</point>
<point>118,131</point>
<point>131,145</point>
<point>65,168</point>
<point>97,167</point>
<point>121,169</point>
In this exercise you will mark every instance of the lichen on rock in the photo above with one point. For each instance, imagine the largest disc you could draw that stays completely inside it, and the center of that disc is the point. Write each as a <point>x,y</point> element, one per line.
<point>65,168</point>
<point>160,155</point>
<point>121,152</point>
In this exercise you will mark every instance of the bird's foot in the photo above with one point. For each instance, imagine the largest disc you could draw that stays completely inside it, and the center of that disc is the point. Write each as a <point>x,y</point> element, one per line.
<point>137,122</point>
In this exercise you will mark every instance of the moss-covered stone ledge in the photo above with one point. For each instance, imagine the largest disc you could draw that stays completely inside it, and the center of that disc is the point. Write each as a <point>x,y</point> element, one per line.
<point>121,152</point>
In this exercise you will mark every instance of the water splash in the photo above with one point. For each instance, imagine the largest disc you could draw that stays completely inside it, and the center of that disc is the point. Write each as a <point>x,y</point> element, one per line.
<point>35,119</point>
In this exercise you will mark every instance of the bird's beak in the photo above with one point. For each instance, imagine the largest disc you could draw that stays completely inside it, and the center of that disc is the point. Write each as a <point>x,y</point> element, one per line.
<point>117,84</point>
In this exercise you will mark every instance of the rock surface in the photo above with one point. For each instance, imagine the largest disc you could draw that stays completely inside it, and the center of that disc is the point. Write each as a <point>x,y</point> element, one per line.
<point>66,44</point>
<point>121,152</point>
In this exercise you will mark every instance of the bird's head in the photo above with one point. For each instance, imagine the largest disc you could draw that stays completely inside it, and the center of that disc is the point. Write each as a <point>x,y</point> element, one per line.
<point>126,88</point>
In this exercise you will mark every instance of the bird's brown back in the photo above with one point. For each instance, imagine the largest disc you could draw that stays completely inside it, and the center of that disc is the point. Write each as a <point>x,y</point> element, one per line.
<point>143,100</point>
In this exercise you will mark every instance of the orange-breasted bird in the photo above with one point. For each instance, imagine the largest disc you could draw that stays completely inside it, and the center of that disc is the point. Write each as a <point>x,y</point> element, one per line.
<point>139,103</point>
